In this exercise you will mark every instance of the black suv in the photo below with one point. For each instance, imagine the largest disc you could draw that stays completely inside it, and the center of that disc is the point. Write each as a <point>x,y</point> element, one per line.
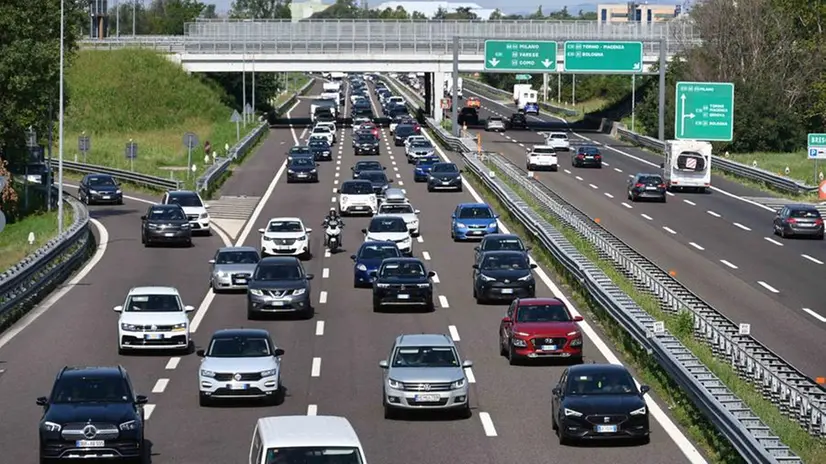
<point>402,282</point>
<point>518,120</point>
<point>468,116</point>
<point>165,224</point>
<point>366,143</point>
<point>100,188</point>
<point>279,285</point>
<point>92,412</point>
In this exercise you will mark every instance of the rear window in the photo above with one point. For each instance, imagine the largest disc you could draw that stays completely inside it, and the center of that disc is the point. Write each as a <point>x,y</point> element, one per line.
<point>544,151</point>
<point>356,188</point>
<point>691,161</point>
<point>559,136</point>
<point>804,213</point>
<point>650,180</point>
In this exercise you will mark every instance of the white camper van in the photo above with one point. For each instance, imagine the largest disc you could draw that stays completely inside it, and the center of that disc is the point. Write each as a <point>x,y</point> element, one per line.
<point>687,165</point>
<point>317,439</point>
<point>526,99</point>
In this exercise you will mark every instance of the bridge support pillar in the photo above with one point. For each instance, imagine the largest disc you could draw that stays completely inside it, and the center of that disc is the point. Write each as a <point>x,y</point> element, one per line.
<point>428,94</point>
<point>438,94</point>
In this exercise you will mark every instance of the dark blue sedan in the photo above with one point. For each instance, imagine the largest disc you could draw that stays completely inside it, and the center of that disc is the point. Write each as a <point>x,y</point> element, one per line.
<point>423,166</point>
<point>369,258</point>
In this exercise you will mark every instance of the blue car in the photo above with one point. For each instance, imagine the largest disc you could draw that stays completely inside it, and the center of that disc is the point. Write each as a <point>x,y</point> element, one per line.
<point>423,167</point>
<point>473,221</point>
<point>369,258</point>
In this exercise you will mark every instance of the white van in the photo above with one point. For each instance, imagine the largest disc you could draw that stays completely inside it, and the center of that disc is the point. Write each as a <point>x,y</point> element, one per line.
<point>687,165</point>
<point>317,439</point>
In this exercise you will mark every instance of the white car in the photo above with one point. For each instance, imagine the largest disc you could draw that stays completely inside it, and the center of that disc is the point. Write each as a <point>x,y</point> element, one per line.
<point>329,124</point>
<point>413,138</point>
<point>355,98</point>
<point>324,131</point>
<point>542,157</point>
<point>359,120</point>
<point>398,101</point>
<point>153,318</point>
<point>405,211</point>
<point>559,141</point>
<point>194,208</point>
<point>357,196</point>
<point>418,150</point>
<point>389,228</point>
<point>285,236</point>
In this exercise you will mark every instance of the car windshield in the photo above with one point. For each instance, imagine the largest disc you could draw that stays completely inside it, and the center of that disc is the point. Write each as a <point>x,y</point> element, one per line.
<point>425,356</point>
<point>542,313</point>
<point>389,208</point>
<point>804,213</point>
<point>505,262</point>
<point>650,180</point>
<point>314,455</point>
<point>421,145</point>
<point>356,188</point>
<point>166,214</point>
<point>503,244</point>
<point>90,389</point>
<point>373,176</point>
<point>239,347</point>
<point>589,150</point>
<point>283,272</point>
<point>475,212</point>
<point>379,252</point>
<point>495,120</point>
<point>285,226</point>
<point>186,200</point>
<point>316,141</point>
<point>100,181</point>
<point>295,150</point>
<point>368,166</point>
<point>404,130</point>
<point>237,257</point>
<point>611,382</point>
<point>321,130</point>
<point>388,224</point>
<point>410,269</point>
<point>302,162</point>
<point>427,161</point>
<point>152,304</point>
<point>445,167</point>
<point>366,138</point>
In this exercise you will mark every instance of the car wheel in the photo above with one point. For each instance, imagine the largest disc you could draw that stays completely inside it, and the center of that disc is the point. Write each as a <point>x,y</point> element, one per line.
<point>122,351</point>
<point>459,189</point>
<point>431,307</point>
<point>389,412</point>
<point>429,188</point>
<point>465,412</point>
<point>376,306</point>
<point>203,400</point>
<point>554,425</point>
<point>599,166</point>
<point>502,350</point>
<point>513,359</point>
<point>563,441</point>
<point>189,243</point>
<point>820,237</point>
<point>251,315</point>
<point>664,199</point>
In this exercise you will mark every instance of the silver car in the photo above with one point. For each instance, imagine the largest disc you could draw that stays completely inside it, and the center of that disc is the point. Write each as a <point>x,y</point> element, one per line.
<point>424,372</point>
<point>405,211</point>
<point>232,268</point>
<point>495,124</point>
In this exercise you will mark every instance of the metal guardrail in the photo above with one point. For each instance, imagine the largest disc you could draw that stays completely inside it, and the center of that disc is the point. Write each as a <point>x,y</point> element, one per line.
<point>28,281</point>
<point>795,395</point>
<point>240,149</point>
<point>770,179</point>
<point>120,174</point>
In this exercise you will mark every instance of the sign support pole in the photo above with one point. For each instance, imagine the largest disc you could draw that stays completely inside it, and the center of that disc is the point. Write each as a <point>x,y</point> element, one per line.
<point>559,87</point>
<point>545,87</point>
<point>633,99</point>
<point>454,110</point>
<point>188,158</point>
<point>661,128</point>
<point>244,84</point>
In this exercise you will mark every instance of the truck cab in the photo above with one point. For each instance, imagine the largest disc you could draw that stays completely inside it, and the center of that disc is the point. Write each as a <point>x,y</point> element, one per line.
<point>687,165</point>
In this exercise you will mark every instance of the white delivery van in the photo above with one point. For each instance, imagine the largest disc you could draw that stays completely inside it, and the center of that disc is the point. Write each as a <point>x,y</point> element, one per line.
<point>317,439</point>
<point>526,99</point>
<point>317,104</point>
<point>687,165</point>
<point>449,85</point>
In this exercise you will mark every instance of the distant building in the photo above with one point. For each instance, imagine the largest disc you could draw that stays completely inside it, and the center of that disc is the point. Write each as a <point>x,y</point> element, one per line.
<point>429,9</point>
<point>306,9</point>
<point>636,12</point>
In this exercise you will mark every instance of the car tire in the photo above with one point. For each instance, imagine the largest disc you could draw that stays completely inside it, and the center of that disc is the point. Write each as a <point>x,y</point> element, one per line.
<point>664,200</point>
<point>563,441</point>
<point>431,307</point>
<point>122,351</point>
<point>390,413</point>
<point>599,166</point>
<point>466,412</point>
<point>513,359</point>
<point>429,188</point>
<point>502,350</point>
<point>460,189</point>
<point>189,243</point>
<point>203,400</point>
<point>251,315</point>
<point>376,306</point>
<point>819,237</point>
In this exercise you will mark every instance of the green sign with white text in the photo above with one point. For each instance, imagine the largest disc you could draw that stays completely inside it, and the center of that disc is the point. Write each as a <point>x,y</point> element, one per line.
<point>704,111</point>
<point>520,55</point>
<point>603,57</point>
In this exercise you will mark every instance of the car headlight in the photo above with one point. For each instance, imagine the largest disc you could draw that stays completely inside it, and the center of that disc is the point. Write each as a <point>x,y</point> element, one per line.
<point>128,327</point>
<point>519,343</point>
<point>179,327</point>
<point>256,292</point>
<point>204,215</point>
<point>362,268</point>
<point>302,238</point>
<point>290,171</point>
<point>458,384</point>
<point>345,200</point>
<point>299,291</point>
<point>206,373</point>
<point>486,278</point>
<point>424,285</point>
<point>639,412</point>
<point>313,171</point>
<point>152,227</point>
<point>492,225</point>
<point>266,239</point>
<point>93,192</point>
<point>571,412</point>
<point>220,274</point>
<point>576,342</point>
<point>525,278</point>
<point>460,225</point>
<point>130,425</point>
<point>383,285</point>
<point>269,373</point>
<point>51,426</point>
<point>118,192</point>
<point>394,384</point>
<point>185,225</point>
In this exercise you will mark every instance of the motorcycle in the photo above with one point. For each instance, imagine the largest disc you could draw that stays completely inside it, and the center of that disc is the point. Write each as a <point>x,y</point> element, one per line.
<point>332,234</point>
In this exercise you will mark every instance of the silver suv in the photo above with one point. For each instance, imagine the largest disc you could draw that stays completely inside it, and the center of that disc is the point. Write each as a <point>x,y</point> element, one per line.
<point>424,371</point>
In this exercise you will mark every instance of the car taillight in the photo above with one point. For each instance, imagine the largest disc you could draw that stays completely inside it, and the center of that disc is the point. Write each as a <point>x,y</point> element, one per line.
<point>597,157</point>
<point>791,221</point>
<point>662,186</point>
<point>819,221</point>
<point>639,185</point>
<point>580,156</point>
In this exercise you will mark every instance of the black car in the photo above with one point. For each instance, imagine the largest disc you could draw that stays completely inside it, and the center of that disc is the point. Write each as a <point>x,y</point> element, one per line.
<point>361,166</point>
<point>444,176</point>
<point>503,275</point>
<point>402,132</point>
<point>798,221</point>
<point>468,116</point>
<point>598,402</point>
<point>99,188</point>
<point>279,285</point>
<point>365,143</point>
<point>586,155</point>
<point>302,170</point>
<point>518,120</point>
<point>92,412</point>
<point>324,114</point>
<point>646,186</point>
<point>500,242</point>
<point>361,107</point>
<point>377,179</point>
<point>402,282</point>
<point>299,151</point>
<point>165,224</point>
<point>321,150</point>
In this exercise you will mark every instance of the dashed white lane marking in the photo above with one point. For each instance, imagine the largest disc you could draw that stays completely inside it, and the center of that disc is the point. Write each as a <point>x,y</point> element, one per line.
<point>333,200</point>
<point>713,213</point>
<point>325,273</point>
<point>426,256</point>
<point>626,205</point>
<point>435,278</point>
<point>814,260</point>
<point>669,193</point>
<point>815,315</point>
<point>696,246</point>
<point>327,253</point>
<point>454,333</point>
<point>469,374</point>
<point>741,226</point>
<point>771,240</point>
<point>487,424</point>
<point>395,168</point>
<point>420,239</point>
<point>160,386</point>
<point>443,301</point>
<point>669,230</point>
<point>401,182</point>
<point>768,287</point>
<point>335,190</point>
<point>319,328</point>
<point>315,370</point>
<point>617,169</point>
<point>728,264</point>
<point>338,161</point>
<point>147,411</point>
<point>578,178</point>
<point>567,171</point>
<point>312,409</point>
<point>398,176</point>
<point>647,217</point>
<point>322,297</point>
<point>593,186</point>
<point>173,363</point>
<point>689,202</point>
<point>606,163</point>
<point>335,182</point>
<point>608,195</point>
<point>394,163</point>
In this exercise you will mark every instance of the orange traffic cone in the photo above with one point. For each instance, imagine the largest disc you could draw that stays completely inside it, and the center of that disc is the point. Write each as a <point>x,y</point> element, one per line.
<point>821,192</point>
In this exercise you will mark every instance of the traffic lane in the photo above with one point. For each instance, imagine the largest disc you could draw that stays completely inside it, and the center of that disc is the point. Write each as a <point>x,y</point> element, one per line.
<point>81,328</point>
<point>221,444</point>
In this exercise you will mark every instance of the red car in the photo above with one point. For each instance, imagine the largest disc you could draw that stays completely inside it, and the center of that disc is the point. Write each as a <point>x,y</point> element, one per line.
<point>540,328</point>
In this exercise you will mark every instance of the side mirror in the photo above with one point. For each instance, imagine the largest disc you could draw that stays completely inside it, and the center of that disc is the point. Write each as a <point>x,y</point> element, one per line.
<point>452,216</point>
<point>528,248</point>
<point>200,353</point>
<point>353,257</point>
<point>374,274</point>
<point>534,266</point>
<point>118,309</point>
<point>496,216</point>
<point>475,266</point>
<point>556,391</point>
<point>389,181</point>
<point>206,206</point>
<point>418,211</point>
<point>431,273</point>
<point>467,363</point>
<point>506,320</point>
<point>477,248</point>
<point>644,389</point>
<point>309,276</point>
<point>211,261</point>
<point>141,399</point>
<point>383,168</point>
<point>42,401</point>
<point>364,231</point>
<point>189,308</point>
<point>143,218</point>
<point>278,352</point>
<point>383,364</point>
<point>578,319</point>
<point>461,171</point>
<point>308,230</point>
<point>260,231</point>
<point>353,168</point>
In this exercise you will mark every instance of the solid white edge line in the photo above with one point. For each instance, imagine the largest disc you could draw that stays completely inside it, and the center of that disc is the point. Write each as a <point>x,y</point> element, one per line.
<point>223,234</point>
<point>312,409</point>
<point>315,370</point>
<point>487,424</point>
<point>454,333</point>
<point>319,328</point>
<point>815,315</point>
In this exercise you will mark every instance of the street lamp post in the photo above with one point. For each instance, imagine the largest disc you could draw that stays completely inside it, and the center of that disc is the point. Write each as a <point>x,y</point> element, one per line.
<point>60,129</point>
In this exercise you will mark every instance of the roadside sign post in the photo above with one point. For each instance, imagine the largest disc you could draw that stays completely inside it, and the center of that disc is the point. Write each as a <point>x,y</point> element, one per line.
<point>236,118</point>
<point>603,57</point>
<point>2,216</point>
<point>817,150</point>
<point>248,110</point>
<point>520,55</point>
<point>84,145</point>
<point>704,111</point>
<point>190,142</point>
<point>131,153</point>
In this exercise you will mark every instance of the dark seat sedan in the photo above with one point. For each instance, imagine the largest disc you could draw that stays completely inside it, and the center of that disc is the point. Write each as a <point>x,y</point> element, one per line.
<point>444,176</point>
<point>646,187</point>
<point>362,166</point>
<point>500,242</point>
<point>99,188</point>
<point>365,143</point>
<point>518,120</point>
<point>587,155</point>
<point>378,179</point>
<point>302,170</point>
<point>321,150</point>
<point>503,275</point>
<point>165,224</point>
<point>798,221</point>
<point>403,131</point>
<point>402,282</point>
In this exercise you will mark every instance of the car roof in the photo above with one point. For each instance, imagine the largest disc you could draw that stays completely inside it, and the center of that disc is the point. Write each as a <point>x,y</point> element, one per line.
<point>424,340</point>
<point>285,219</point>
<point>546,147</point>
<point>357,181</point>
<point>307,431</point>
<point>97,371</point>
<point>153,290</point>
<point>487,253</point>
<point>237,248</point>
<point>377,243</point>
<point>580,369</point>
<point>386,216</point>
<point>241,332</point>
<point>474,205</point>
<point>367,162</point>
<point>372,171</point>
<point>645,174</point>
<point>272,260</point>
<point>558,133</point>
<point>182,193</point>
<point>501,237</point>
<point>802,206</point>
<point>166,206</point>
<point>94,175</point>
<point>534,301</point>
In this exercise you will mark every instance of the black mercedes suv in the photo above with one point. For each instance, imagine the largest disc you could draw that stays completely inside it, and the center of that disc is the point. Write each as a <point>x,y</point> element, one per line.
<point>165,224</point>
<point>402,282</point>
<point>92,412</point>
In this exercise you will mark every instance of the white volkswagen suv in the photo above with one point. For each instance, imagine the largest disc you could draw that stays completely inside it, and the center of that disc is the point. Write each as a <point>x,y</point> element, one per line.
<point>389,228</point>
<point>285,236</point>
<point>194,208</point>
<point>153,318</point>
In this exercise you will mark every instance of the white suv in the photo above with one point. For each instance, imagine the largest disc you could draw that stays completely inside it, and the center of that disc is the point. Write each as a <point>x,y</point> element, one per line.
<point>285,236</point>
<point>324,131</point>
<point>542,157</point>
<point>194,208</point>
<point>153,318</point>
<point>559,141</point>
<point>357,196</point>
<point>330,125</point>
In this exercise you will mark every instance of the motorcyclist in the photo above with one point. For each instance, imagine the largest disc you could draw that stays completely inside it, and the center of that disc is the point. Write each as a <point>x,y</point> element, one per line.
<point>332,216</point>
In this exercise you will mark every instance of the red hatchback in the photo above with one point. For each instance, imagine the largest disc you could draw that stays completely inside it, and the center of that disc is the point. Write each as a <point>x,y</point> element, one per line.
<point>540,328</point>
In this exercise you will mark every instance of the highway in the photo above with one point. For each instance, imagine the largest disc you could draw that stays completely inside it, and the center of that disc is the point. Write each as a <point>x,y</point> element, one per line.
<point>719,244</point>
<point>331,361</point>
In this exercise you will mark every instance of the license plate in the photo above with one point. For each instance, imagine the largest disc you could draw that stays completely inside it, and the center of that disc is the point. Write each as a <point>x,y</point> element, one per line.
<point>89,443</point>
<point>240,281</point>
<point>404,296</point>
<point>153,337</point>
<point>446,182</point>
<point>282,247</point>
<point>169,234</point>
<point>302,175</point>
<point>507,290</point>
<point>806,224</point>
<point>106,197</point>
<point>238,386</point>
<point>277,303</point>
<point>426,398</point>
<point>606,428</point>
<point>548,347</point>
<point>651,188</point>
<point>475,232</point>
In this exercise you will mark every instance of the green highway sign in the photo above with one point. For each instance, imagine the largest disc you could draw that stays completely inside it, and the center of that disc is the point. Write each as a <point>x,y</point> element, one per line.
<point>817,146</point>
<point>704,111</point>
<point>520,55</point>
<point>603,57</point>
<point>523,77</point>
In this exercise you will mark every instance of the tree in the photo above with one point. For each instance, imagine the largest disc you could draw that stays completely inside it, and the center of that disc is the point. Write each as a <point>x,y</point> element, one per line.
<point>168,17</point>
<point>261,9</point>
<point>418,15</point>
<point>496,15</point>
<point>209,12</point>
<point>341,9</point>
